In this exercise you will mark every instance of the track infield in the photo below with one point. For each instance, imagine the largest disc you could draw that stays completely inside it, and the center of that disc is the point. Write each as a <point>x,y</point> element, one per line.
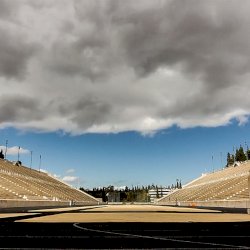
<point>134,213</point>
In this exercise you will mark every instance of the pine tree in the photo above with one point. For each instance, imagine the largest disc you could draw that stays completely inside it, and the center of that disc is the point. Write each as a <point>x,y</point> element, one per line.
<point>248,154</point>
<point>237,155</point>
<point>104,198</point>
<point>157,192</point>
<point>230,160</point>
<point>177,183</point>
<point>1,154</point>
<point>240,155</point>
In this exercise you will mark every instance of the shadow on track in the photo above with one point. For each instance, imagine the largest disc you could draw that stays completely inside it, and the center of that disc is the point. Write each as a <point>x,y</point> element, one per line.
<point>125,235</point>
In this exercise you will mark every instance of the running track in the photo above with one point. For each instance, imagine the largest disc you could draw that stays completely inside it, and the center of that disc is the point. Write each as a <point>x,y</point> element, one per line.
<point>105,235</point>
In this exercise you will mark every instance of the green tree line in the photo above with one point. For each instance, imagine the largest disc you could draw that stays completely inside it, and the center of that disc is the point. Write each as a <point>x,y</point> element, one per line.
<point>240,155</point>
<point>134,194</point>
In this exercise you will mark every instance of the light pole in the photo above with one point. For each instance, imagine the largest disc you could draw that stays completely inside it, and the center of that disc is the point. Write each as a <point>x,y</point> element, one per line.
<point>221,159</point>
<point>246,150</point>
<point>213,162</point>
<point>6,147</point>
<point>40,162</point>
<point>18,154</point>
<point>234,153</point>
<point>31,152</point>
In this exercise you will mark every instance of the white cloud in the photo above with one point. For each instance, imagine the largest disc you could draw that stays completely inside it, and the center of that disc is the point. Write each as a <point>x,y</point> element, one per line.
<point>14,150</point>
<point>123,65</point>
<point>242,120</point>
<point>51,174</point>
<point>70,179</point>
<point>56,176</point>
<point>69,171</point>
<point>44,171</point>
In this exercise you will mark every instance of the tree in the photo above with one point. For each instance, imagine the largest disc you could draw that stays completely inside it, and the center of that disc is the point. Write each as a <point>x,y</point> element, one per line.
<point>104,198</point>
<point>157,192</point>
<point>230,159</point>
<point>233,159</point>
<point>1,154</point>
<point>240,155</point>
<point>177,184</point>
<point>236,154</point>
<point>248,154</point>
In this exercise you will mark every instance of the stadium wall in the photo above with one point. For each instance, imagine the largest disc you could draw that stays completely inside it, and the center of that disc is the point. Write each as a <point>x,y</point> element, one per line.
<point>15,204</point>
<point>220,205</point>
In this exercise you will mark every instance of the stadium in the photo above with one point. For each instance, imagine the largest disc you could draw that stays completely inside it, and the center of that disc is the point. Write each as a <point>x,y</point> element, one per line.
<point>38,210</point>
<point>124,124</point>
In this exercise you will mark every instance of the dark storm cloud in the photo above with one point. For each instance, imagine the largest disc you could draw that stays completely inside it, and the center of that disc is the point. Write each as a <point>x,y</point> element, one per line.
<point>209,39</point>
<point>14,55</point>
<point>19,109</point>
<point>88,60</point>
<point>87,112</point>
<point>109,66</point>
<point>205,38</point>
<point>7,8</point>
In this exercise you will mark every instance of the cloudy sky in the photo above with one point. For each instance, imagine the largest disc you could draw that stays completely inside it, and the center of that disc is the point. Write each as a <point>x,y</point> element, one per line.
<point>79,68</point>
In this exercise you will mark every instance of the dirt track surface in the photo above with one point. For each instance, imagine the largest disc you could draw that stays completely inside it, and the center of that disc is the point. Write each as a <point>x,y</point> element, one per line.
<point>137,213</point>
<point>125,227</point>
<point>9,215</point>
